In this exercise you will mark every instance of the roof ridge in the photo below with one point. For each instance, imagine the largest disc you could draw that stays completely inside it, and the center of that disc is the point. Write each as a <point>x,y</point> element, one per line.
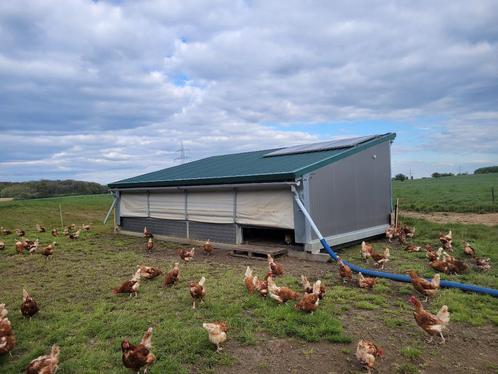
<point>241,153</point>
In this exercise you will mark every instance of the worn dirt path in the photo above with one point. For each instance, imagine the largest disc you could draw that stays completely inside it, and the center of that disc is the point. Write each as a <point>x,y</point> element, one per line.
<point>488,219</point>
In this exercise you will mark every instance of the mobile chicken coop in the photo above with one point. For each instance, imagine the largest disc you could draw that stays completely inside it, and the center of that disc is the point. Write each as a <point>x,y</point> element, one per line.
<point>249,197</point>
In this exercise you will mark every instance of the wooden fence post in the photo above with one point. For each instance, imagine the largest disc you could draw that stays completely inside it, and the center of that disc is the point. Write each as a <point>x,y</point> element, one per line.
<point>60,212</point>
<point>396,213</point>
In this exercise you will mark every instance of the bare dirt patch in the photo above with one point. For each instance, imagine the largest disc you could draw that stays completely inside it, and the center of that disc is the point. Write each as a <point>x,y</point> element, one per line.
<point>467,349</point>
<point>488,219</point>
<point>294,266</point>
<point>287,355</point>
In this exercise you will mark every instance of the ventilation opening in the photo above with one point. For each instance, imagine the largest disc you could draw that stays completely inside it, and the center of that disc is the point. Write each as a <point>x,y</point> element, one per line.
<point>267,236</point>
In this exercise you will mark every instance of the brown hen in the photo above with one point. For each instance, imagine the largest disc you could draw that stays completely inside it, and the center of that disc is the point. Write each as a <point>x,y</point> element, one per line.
<point>29,307</point>
<point>197,291</point>
<point>47,364</point>
<point>139,356</point>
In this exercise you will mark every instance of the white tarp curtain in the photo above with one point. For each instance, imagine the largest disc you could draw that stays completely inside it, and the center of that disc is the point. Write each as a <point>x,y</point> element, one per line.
<point>212,207</point>
<point>169,205</point>
<point>133,205</point>
<point>270,208</point>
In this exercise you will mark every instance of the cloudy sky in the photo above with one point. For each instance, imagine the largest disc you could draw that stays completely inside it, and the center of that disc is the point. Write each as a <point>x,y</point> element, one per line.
<point>103,90</point>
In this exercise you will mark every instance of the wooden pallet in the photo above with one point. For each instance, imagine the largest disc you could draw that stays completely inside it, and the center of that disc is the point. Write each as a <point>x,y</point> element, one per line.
<point>258,253</point>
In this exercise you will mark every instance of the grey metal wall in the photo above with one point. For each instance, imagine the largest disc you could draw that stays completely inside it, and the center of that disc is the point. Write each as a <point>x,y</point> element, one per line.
<point>133,223</point>
<point>353,193</point>
<point>300,232</point>
<point>222,233</point>
<point>217,232</point>
<point>156,225</point>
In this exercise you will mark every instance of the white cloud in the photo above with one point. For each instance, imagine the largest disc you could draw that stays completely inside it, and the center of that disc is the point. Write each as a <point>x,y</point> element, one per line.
<point>117,154</point>
<point>106,90</point>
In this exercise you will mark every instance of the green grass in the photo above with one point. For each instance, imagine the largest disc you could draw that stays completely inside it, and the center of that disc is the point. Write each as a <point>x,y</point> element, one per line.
<point>407,369</point>
<point>466,193</point>
<point>411,353</point>
<point>79,312</point>
<point>393,322</point>
<point>470,308</point>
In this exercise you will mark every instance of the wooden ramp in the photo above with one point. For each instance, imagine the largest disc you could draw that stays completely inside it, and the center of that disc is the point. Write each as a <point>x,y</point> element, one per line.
<point>257,252</point>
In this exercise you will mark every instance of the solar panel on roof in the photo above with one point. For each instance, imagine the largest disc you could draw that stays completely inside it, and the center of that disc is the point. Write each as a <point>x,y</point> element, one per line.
<point>322,146</point>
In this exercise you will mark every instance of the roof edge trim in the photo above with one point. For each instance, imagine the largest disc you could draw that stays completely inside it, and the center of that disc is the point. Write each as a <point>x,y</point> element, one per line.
<point>283,177</point>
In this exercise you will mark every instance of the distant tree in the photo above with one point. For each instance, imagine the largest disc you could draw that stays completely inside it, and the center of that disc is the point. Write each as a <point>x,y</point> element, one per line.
<point>487,170</point>
<point>440,175</point>
<point>400,177</point>
<point>49,188</point>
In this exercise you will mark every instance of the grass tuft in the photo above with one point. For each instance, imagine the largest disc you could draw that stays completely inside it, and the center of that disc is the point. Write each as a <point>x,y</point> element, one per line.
<point>407,369</point>
<point>411,353</point>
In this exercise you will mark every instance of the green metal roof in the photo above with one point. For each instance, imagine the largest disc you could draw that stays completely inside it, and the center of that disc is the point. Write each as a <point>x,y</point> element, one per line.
<point>248,167</point>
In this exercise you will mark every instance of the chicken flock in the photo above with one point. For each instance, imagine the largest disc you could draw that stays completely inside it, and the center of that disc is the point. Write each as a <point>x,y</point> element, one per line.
<point>307,299</point>
<point>46,364</point>
<point>439,260</point>
<point>134,357</point>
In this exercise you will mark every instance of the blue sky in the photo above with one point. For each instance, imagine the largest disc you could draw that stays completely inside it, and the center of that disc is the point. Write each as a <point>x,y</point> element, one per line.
<point>104,90</point>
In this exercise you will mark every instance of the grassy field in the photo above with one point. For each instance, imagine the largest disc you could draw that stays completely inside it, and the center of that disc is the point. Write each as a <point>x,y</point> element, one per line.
<point>466,193</point>
<point>79,313</point>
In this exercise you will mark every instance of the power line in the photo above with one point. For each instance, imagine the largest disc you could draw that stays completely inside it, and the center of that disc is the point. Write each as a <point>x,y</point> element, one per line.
<point>182,154</point>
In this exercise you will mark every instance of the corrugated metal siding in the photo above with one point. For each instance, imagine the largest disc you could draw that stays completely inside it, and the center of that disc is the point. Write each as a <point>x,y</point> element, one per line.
<point>222,233</point>
<point>217,232</point>
<point>156,225</point>
<point>352,193</point>
<point>135,224</point>
<point>168,227</point>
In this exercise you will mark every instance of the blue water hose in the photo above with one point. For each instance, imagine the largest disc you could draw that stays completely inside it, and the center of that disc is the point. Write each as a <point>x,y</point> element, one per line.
<point>406,278</point>
<point>381,274</point>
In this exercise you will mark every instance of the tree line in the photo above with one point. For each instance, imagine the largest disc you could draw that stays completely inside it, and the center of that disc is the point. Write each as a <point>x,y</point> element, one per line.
<point>486,170</point>
<point>49,188</point>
